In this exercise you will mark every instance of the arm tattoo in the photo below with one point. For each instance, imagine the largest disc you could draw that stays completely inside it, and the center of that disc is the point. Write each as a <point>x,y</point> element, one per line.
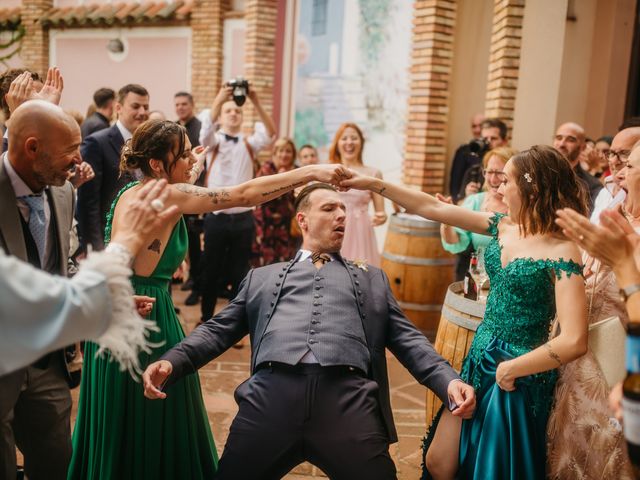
<point>382,190</point>
<point>216,196</point>
<point>281,189</point>
<point>553,354</point>
<point>155,246</point>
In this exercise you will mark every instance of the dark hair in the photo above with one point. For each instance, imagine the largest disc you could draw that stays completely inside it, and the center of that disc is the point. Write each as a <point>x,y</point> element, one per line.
<point>131,88</point>
<point>184,94</point>
<point>302,200</point>
<point>629,122</point>
<point>103,96</point>
<point>496,123</point>
<point>153,139</point>
<point>334,153</point>
<point>547,183</point>
<point>5,82</point>
<point>307,145</point>
<point>605,138</point>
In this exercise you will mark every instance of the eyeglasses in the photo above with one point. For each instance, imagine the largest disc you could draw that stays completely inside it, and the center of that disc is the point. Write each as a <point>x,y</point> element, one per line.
<point>486,172</point>
<point>622,156</point>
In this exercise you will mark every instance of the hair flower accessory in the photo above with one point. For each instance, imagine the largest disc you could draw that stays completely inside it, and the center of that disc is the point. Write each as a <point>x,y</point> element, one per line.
<point>527,177</point>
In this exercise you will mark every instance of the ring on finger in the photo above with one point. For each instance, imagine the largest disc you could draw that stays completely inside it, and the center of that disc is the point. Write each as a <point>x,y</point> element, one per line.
<point>581,237</point>
<point>157,205</point>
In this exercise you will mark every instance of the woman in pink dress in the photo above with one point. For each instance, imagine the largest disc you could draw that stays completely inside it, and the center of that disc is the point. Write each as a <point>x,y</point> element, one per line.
<point>359,238</point>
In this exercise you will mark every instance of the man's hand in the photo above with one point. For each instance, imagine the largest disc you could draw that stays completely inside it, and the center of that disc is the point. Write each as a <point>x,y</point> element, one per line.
<point>154,378</point>
<point>144,304</point>
<point>20,90</point>
<point>52,89</point>
<point>464,397</point>
<point>200,154</point>
<point>82,174</point>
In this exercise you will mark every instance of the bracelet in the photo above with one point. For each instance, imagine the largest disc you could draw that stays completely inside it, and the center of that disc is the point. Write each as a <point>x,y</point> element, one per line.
<point>121,251</point>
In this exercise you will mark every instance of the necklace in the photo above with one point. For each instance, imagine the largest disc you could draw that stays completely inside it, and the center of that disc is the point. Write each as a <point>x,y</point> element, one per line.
<point>630,218</point>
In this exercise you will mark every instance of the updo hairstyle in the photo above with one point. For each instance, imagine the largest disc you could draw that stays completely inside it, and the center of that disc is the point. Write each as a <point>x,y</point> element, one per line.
<point>154,139</point>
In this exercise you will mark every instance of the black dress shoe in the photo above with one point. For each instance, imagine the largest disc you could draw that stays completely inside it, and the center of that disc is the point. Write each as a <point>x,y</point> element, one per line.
<point>193,298</point>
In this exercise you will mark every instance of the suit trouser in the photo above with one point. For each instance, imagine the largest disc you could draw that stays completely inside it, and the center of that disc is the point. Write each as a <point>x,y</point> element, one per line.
<point>328,416</point>
<point>35,410</point>
<point>227,241</point>
<point>194,230</point>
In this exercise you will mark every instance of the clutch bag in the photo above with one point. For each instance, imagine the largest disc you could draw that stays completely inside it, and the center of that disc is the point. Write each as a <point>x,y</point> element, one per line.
<point>606,342</point>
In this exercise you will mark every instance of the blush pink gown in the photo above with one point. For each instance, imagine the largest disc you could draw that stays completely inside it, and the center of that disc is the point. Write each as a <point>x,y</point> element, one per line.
<point>359,238</point>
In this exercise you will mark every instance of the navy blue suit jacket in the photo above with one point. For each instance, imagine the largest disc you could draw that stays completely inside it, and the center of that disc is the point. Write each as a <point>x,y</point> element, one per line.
<point>102,151</point>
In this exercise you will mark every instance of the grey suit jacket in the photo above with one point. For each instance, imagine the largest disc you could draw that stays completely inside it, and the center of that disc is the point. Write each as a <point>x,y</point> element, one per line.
<point>384,324</point>
<point>12,241</point>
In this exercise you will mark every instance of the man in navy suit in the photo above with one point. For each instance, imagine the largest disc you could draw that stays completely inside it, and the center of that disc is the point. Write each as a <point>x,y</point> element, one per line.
<point>102,151</point>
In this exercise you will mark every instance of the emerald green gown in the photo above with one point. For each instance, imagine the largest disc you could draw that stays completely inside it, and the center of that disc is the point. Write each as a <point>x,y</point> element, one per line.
<point>506,438</point>
<point>119,434</point>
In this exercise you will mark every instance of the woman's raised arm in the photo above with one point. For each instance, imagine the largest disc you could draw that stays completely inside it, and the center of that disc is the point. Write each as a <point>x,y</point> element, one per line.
<point>420,203</point>
<point>193,199</point>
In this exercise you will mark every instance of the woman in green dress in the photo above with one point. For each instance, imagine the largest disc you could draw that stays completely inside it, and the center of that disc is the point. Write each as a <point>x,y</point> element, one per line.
<point>535,277</point>
<point>118,433</point>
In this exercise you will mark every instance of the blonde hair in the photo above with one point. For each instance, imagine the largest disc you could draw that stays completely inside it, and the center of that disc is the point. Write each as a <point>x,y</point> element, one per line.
<point>503,153</point>
<point>280,143</point>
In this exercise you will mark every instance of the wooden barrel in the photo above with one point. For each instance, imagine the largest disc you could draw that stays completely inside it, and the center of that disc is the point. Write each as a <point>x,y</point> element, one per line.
<point>458,324</point>
<point>418,268</point>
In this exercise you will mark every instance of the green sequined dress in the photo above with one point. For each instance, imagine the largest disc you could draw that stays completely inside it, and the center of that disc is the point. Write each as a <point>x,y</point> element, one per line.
<point>506,437</point>
<point>119,434</point>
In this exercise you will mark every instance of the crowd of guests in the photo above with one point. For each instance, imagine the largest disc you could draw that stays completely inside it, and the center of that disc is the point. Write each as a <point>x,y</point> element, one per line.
<point>558,223</point>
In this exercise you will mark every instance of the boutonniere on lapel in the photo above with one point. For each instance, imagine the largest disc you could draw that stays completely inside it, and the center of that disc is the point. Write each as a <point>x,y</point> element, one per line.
<point>361,264</point>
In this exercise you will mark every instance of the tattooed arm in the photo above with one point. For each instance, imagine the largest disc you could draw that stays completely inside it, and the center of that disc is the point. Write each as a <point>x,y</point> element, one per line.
<point>192,199</point>
<point>570,344</point>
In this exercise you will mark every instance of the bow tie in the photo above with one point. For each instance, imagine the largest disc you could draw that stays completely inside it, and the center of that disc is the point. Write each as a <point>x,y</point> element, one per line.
<point>230,138</point>
<point>320,257</point>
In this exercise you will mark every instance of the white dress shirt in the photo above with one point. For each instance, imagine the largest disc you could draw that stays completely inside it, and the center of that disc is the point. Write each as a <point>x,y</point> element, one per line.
<point>126,134</point>
<point>606,200</point>
<point>233,164</point>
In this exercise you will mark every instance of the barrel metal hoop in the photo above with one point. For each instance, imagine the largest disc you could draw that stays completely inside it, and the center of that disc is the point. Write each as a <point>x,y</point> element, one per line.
<point>421,307</point>
<point>455,299</point>
<point>453,317</point>
<point>414,233</point>
<point>427,262</point>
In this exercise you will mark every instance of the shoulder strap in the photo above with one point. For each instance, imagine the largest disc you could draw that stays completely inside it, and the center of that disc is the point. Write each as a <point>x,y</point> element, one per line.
<point>107,229</point>
<point>254,160</point>
<point>207,169</point>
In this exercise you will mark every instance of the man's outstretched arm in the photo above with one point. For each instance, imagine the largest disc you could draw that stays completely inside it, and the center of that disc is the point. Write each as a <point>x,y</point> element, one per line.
<point>205,343</point>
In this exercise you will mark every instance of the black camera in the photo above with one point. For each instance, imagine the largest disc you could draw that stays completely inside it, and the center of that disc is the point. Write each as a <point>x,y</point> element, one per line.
<point>478,147</point>
<point>240,90</point>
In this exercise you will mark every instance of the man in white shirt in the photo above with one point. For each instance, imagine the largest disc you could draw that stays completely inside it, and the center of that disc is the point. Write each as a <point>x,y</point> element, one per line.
<point>228,234</point>
<point>612,195</point>
<point>102,151</point>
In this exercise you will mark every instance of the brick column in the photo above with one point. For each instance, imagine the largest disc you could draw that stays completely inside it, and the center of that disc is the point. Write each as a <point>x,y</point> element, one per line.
<point>504,59</point>
<point>206,50</point>
<point>35,43</point>
<point>260,54</point>
<point>431,62</point>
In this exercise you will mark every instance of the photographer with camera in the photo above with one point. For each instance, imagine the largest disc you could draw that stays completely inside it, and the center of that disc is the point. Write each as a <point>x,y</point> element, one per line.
<point>231,160</point>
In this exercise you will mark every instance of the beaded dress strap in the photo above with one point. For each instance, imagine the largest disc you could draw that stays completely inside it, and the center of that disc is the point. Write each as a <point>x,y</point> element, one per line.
<point>492,229</point>
<point>107,229</point>
<point>567,266</point>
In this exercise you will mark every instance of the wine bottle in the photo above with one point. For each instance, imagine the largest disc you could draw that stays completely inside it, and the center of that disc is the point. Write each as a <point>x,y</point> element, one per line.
<point>631,397</point>
<point>469,286</point>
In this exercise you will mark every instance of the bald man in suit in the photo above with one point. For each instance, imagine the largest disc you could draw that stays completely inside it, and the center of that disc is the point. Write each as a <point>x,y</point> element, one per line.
<point>37,203</point>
